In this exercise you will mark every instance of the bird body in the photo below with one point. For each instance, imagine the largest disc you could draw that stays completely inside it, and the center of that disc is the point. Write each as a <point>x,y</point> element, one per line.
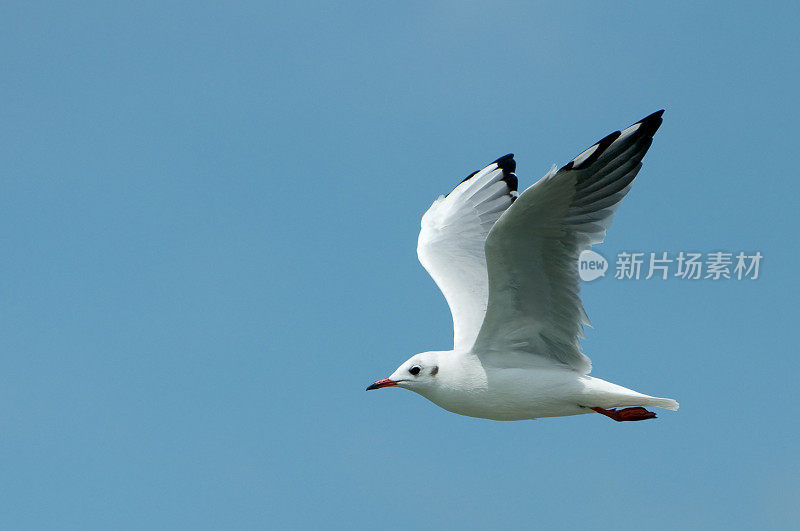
<point>512,386</point>
<point>507,264</point>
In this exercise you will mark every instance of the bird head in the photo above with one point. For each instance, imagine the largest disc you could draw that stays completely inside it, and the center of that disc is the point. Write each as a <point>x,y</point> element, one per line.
<point>417,374</point>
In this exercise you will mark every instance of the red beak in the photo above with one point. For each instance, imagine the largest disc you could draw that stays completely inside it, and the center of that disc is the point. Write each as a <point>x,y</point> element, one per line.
<point>386,382</point>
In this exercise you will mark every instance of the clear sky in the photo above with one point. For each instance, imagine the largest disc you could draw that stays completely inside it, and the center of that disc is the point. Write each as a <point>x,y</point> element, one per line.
<point>209,213</point>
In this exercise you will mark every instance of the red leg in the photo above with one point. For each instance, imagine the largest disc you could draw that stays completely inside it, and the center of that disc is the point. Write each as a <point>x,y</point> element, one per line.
<point>627,414</point>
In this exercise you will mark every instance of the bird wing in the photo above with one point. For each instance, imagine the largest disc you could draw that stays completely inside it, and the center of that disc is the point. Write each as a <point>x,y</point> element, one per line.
<point>451,243</point>
<point>532,251</point>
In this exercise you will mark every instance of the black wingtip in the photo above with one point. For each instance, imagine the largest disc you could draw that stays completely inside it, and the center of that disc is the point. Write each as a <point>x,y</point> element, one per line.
<point>509,166</point>
<point>506,163</point>
<point>511,181</point>
<point>656,116</point>
<point>651,123</point>
<point>647,127</point>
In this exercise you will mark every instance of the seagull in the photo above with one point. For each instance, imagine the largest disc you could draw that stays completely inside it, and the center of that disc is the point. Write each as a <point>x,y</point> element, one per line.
<point>507,264</point>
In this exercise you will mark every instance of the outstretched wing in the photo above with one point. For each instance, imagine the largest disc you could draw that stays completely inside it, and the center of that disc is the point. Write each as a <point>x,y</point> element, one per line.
<point>532,251</point>
<point>451,243</point>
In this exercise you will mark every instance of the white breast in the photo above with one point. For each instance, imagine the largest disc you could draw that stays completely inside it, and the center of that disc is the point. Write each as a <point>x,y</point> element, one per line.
<point>468,388</point>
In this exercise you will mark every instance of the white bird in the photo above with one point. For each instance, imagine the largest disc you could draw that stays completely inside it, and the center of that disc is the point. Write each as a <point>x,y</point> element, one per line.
<point>507,264</point>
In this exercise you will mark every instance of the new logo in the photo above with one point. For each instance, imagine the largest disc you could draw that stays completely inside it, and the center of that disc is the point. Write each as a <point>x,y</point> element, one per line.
<point>591,265</point>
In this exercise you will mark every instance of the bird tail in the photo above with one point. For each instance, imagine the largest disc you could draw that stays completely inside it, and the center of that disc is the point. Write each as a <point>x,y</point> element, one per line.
<point>608,395</point>
<point>666,403</point>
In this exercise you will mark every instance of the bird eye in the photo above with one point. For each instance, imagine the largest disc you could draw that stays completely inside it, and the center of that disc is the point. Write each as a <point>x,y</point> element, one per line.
<point>414,370</point>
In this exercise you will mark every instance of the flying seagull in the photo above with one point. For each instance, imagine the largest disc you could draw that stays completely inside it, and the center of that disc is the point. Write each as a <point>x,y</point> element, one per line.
<point>507,264</point>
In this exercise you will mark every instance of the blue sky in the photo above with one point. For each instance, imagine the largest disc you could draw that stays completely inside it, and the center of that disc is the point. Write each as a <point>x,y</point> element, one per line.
<point>210,215</point>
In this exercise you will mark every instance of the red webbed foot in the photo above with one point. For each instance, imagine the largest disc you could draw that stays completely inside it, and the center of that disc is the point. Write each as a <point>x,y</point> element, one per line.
<point>626,414</point>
